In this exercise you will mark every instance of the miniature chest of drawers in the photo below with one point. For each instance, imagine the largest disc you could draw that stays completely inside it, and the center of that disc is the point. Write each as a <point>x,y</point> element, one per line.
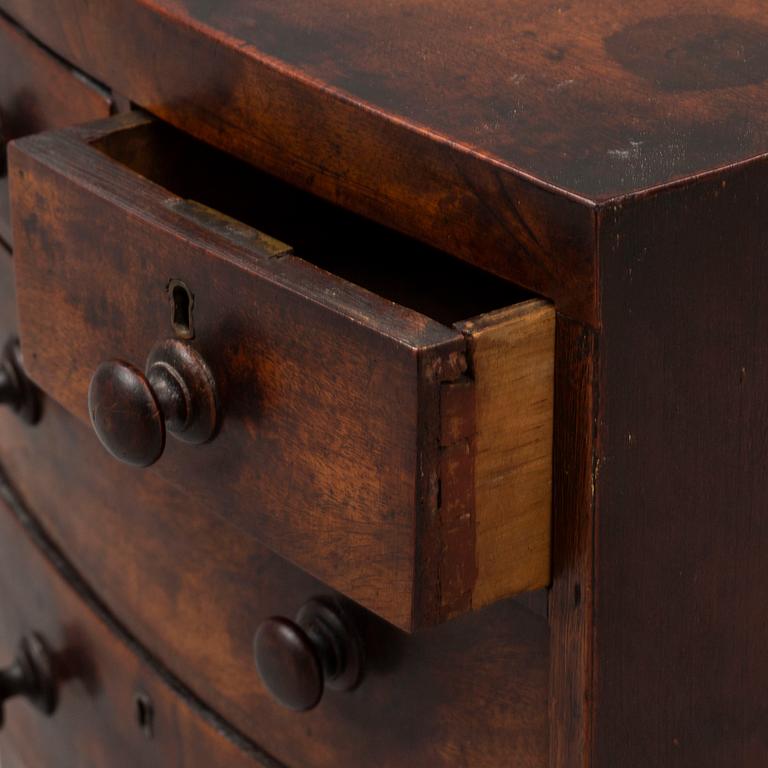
<point>383,384</point>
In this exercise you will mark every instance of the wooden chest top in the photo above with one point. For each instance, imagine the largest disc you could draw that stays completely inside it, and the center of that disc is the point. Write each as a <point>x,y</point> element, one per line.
<point>597,99</point>
<point>428,113</point>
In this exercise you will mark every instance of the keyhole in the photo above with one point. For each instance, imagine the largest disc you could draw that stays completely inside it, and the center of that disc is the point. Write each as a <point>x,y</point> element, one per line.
<point>182,303</point>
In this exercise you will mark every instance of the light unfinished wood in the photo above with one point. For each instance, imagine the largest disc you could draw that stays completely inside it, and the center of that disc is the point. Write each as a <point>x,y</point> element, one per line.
<point>511,354</point>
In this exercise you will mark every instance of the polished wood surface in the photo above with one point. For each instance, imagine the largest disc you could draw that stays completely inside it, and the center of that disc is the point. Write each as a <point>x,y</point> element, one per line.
<point>98,677</point>
<point>38,91</point>
<point>608,157</point>
<point>597,98</point>
<point>475,687</point>
<point>96,714</point>
<point>472,689</point>
<point>364,157</point>
<point>571,598</point>
<point>600,99</point>
<point>681,621</point>
<point>432,113</point>
<point>331,429</point>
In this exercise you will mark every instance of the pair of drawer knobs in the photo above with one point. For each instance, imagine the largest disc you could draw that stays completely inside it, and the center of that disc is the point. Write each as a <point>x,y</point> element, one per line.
<point>296,660</point>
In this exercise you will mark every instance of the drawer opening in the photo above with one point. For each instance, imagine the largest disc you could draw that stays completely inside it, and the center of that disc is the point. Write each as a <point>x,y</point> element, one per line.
<point>374,257</point>
<point>399,452</point>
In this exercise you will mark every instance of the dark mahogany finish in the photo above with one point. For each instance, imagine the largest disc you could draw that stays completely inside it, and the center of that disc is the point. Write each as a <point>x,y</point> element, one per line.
<point>489,128</point>
<point>475,687</point>
<point>131,411</point>
<point>38,91</point>
<point>298,659</point>
<point>355,426</point>
<point>681,618</point>
<point>419,104</point>
<point>114,705</point>
<point>610,156</point>
<point>30,676</point>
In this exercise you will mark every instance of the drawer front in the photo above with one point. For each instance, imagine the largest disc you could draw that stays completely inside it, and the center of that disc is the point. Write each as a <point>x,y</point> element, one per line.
<point>110,705</point>
<point>194,591</point>
<point>38,92</point>
<point>402,458</point>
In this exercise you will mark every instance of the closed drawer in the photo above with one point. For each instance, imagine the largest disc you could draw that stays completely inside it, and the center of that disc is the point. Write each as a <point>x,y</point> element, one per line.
<point>379,415</point>
<point>99,701</point>
<point>37,92</point>
<point>194,592</point>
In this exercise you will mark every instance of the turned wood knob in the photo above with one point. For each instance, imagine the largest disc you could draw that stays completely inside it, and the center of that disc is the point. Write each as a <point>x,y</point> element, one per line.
<point>297,659</point>
<point>131,410</point>
<point>30,676</point>
<point>16,390</point>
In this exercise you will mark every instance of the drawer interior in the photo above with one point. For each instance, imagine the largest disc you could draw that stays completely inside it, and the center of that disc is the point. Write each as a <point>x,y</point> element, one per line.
<point>379,259</point>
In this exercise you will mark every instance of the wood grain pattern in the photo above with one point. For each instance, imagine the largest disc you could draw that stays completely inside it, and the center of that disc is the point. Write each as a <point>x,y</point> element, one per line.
<point>428,180</point>
<point>320,380</point>
<point>37,92</point>
<point>98,677</point>
<point>572,594</point>
<point>433,113</point>
<point>600,99</point>
<point>331,394</point>
<point>511,357</point>
<point>473,690</point>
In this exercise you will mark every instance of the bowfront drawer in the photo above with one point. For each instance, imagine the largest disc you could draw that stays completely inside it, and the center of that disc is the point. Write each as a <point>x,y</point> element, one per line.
<point>196,594</point>
<point>38,91</point>
<point>74,690</point>
<point>369,409</point>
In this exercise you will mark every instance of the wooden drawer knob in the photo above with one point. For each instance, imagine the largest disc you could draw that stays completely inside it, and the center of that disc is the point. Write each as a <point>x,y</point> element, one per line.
<point>297,659</point>
<point>16,390</point>
<point>30,676</point>
<point>131,411</point>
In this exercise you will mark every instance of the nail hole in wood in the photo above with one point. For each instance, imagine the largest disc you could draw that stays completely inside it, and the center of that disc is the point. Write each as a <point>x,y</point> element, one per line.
<point>145,714</point>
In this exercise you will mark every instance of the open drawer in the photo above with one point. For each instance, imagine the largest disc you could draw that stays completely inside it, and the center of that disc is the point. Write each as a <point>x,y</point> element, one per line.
<point>374,411</point>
